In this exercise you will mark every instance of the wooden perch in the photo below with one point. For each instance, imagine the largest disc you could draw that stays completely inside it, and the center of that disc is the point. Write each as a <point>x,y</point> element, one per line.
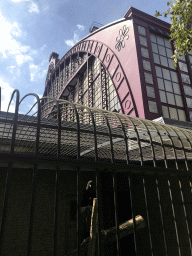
<point>108,236</point>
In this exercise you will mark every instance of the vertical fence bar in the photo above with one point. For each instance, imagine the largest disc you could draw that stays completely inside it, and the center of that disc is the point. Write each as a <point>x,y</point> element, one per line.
<point>55,213</point>
<point>130,179</point>
<point>176,230</point>
<point>159,199</point>
<point>5,203</point>
<point>114,190</point>
<point>31,214</point>
<point>144,188</point>
<point>9,169</point>
<point>57,181</point>
<point>184,209</point>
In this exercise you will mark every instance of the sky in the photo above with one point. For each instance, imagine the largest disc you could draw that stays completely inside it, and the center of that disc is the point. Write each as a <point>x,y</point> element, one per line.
<point>30,30</point>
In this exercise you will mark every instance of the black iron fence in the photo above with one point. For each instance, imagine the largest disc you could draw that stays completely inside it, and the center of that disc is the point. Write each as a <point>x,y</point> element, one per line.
<point>140,172</point>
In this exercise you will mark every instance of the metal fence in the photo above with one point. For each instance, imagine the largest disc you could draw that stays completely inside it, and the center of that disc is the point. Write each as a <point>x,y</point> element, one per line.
<point>141,171</point>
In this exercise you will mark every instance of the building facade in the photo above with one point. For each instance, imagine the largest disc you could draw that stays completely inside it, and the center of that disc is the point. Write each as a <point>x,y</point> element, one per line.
<point>125,66</point>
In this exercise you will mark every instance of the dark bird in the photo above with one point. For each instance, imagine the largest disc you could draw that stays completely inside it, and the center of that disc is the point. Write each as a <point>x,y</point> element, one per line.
<point>88,194</point>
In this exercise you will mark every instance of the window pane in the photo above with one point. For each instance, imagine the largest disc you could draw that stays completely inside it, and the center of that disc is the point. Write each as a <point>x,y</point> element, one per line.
<point>189,102</point>
<point>148,78</point>
<point>162,96</point>
<point>166,74</point>
<point>153,38</point>
<point>188,90</point>
<point>146,65</point>
<point>150,92</point>
<point>156,58</point>
<point>173,113</point>
<point>185,78</point>
<point>162,50</point>
<point>165,111</point>
<point>143,40</point>
<point>152,107</point>
<point>181,114</point>
<point>170,98</point>
<point>167,43</point>
<point>176,88</point>
<point>171,64</point>
<point>141,30</point>
<point>144,52</point>
<point>154,48</point>
<point>160,84</point>
<point>158,71</point>
<point>182,57</point>
<point>174,77</point>
<point>163,61</point>
<point>169,53</point>
<point>168,86</point>
<point>190,114</point>
<point>183,67</point>
<point>160,40</point>
<point>179,101</point>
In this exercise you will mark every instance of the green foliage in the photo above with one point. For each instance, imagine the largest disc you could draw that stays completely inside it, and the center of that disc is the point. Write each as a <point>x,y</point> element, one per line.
<point>180,12</point>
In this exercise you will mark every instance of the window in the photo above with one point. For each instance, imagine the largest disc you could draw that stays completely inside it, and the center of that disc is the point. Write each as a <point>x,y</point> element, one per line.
<point>183,67</point>
<point>167,43</point>
<point>188,90</point>
<point>158,71</point>
<point>189,102</point>
<point>143,40</point>
<point>152,107</point>
<point>141,30</point>
<point>166,74</point>
<point>185,79</point>
<point>160,40</point>
<point>163,96</point>
<point>146,65</point>
<point>148,78</point>
<point>144,52</point>
<point>156,58</point>
<point>150,91</point>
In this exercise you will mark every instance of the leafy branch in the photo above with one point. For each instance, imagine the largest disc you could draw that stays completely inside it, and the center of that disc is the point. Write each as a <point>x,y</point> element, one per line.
<point>180,12</point>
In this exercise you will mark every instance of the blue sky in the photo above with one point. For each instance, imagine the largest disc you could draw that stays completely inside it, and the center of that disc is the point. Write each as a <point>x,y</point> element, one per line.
<point>31,30</point>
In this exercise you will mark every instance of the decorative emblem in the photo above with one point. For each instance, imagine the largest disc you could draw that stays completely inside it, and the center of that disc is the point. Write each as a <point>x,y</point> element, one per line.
<point>123,36</point>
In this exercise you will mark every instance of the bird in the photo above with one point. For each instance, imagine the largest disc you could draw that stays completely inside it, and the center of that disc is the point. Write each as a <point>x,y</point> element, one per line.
<point>88,194</point>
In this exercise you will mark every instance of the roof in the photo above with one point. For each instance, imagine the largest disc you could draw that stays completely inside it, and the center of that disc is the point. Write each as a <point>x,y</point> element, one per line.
<point>75,131</point>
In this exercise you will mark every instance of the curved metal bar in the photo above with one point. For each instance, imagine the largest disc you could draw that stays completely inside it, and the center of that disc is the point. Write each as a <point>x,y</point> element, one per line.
<point>59,124</point>
<point>78,125</point>
<point>15,117</point>
<point>176,163</point>
<point>138,140</point>
<point>162,144</point>
<point>124,135</point>
<point>152,147</point>
<point>38,119</point>
<point>176,131</point>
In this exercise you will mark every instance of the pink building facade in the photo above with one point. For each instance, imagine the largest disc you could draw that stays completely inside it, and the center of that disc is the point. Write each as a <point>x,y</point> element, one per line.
<point>125,66</point>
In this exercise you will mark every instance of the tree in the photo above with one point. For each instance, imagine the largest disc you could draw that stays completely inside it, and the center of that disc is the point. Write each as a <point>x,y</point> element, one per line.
<point>180,12</point>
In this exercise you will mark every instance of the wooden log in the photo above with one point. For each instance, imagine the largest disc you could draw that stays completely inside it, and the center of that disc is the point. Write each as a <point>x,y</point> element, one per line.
<point>109,236</point>
<point>93,229</point>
